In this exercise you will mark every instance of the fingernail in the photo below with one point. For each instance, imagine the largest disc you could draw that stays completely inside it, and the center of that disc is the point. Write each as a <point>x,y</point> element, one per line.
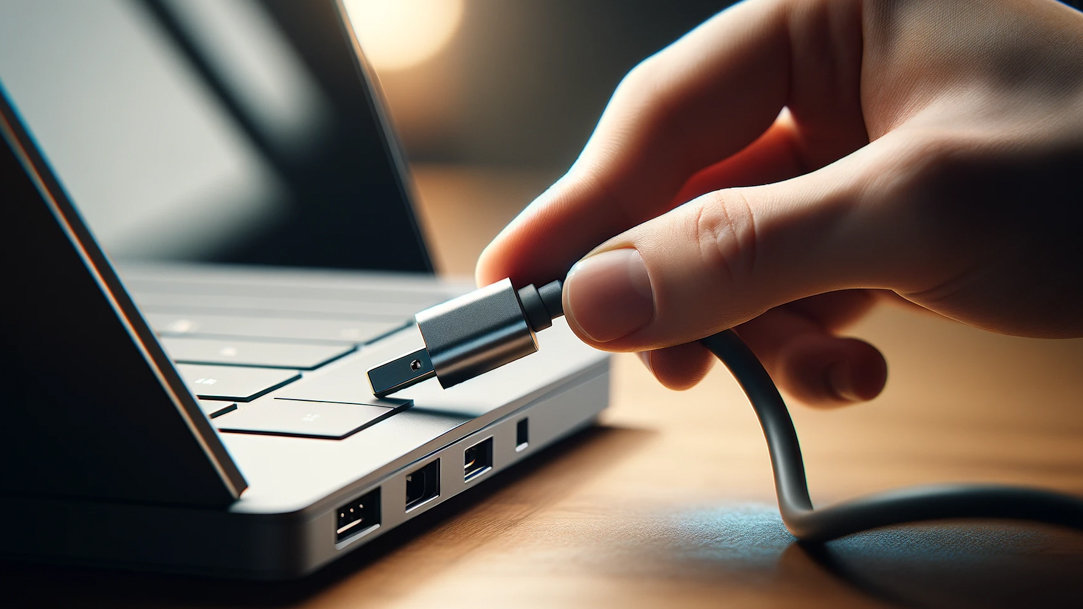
<point>609,294</point>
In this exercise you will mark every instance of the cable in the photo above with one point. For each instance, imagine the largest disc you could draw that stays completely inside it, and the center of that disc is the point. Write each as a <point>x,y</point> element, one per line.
<point>872,511</point>
<point>489,327</point>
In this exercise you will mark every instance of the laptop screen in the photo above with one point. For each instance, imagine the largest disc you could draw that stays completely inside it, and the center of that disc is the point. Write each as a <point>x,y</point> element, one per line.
<point>236,131</point>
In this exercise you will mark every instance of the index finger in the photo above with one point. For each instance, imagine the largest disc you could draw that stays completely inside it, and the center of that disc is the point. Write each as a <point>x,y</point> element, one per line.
<point>701,100</point>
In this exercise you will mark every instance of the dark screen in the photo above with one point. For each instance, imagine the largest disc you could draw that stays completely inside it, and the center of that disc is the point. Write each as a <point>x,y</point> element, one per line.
<point>240,132</point>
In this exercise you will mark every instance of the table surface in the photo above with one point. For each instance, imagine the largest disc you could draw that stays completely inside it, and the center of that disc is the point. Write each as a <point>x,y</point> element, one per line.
<point>669,500</point>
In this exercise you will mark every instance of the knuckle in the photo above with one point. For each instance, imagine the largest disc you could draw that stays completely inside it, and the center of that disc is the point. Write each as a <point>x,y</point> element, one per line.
<point>635,84</point>
<point>648,96</point>
<point>724,230</point>
<point>646,74</point>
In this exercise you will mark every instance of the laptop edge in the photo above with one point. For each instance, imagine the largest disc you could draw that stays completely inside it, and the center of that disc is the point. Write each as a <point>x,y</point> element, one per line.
<point>57,269</point>
<point>148,483</point>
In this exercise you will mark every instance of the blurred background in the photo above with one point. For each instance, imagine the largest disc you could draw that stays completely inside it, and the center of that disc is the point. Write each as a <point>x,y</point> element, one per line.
<point>494,99</point>
<point>517,83</point>
<point>240,130</point>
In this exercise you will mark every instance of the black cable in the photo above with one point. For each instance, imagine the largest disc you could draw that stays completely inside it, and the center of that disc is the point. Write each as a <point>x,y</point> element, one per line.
<point>491,326</point>
<point>916,504</point>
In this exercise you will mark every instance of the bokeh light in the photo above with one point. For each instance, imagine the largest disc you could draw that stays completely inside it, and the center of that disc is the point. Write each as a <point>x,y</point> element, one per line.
<point>400,34</point>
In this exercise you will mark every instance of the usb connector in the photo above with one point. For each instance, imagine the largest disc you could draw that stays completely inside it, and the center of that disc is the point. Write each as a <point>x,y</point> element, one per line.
<point>401,373</point>
<point>471,335</point>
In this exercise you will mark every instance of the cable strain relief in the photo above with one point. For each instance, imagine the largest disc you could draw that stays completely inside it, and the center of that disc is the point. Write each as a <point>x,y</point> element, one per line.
<point>534,309</point>
<point>551,295</point>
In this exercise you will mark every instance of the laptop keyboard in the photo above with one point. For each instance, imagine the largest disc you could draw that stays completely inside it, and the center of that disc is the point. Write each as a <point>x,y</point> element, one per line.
<point>214,408</point>
<point>236,340</point>
<point>306,419</point>
<point>316,330</point>
<point>263,354</point>
<point>242,384</point>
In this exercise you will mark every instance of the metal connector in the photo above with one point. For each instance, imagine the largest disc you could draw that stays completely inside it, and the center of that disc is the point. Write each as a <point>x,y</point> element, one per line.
<point>401,373</point>
<point>471,335</point>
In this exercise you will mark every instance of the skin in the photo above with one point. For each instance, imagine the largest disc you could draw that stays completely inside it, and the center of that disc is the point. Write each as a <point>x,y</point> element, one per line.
<point>790,164</point>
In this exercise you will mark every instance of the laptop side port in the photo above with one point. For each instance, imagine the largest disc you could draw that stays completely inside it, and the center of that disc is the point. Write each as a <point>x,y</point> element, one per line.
<point>357,516</point>
<point>478,459</point>
<point>422,484</point>
<point>522,434</point>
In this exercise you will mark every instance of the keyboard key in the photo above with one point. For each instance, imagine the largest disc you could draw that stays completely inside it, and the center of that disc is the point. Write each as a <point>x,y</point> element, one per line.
<point>253,305</point>
<point>298,356</point>
<point>234,382</point>
<point>305,285</point>
<point>215,408</point>
<point>306,419</point>
<point>332,330</point>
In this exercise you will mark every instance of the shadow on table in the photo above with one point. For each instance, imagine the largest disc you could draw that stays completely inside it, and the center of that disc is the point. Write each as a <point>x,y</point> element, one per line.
<point>957,565</point>
<point>742,550</point>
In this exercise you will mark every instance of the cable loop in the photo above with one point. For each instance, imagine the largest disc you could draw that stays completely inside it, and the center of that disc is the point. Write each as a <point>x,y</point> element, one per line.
<point>882,509</point>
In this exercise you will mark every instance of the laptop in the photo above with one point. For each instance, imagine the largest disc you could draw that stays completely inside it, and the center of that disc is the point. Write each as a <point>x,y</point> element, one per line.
<point>208,241</point>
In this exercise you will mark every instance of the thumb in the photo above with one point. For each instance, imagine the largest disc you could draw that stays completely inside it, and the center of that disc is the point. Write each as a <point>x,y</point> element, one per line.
<point>728,256</point>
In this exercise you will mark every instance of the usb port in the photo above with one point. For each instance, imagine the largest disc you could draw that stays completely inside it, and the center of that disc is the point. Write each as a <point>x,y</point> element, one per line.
<point>522,435</point>
<point>422,484</point>
<point>357,516</point>
<point>478,459</point>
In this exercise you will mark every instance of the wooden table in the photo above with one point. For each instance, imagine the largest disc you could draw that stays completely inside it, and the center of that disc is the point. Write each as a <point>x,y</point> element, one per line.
<point>669,501</point>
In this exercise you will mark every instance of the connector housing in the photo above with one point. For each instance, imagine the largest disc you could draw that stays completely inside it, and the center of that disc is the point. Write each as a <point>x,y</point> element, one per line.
<point>476,333</point>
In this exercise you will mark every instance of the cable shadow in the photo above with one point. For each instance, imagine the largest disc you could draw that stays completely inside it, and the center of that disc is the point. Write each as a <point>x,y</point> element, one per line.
<point>960,565</point>
<point>742,550</point>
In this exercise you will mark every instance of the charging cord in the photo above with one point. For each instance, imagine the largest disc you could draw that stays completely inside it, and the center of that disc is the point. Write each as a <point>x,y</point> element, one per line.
<point>494,325</point>
<point>883,509</point>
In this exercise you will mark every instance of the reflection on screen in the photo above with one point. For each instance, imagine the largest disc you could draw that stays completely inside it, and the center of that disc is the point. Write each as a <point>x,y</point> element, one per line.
<point>240,131</point>
<point>144,148</point>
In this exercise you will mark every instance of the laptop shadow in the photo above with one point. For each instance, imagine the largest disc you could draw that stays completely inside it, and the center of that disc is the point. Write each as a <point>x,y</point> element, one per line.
<point>29,585</point>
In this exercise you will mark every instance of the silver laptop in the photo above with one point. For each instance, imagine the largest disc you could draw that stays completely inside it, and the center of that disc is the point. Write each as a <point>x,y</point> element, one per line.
<point>207,243</point>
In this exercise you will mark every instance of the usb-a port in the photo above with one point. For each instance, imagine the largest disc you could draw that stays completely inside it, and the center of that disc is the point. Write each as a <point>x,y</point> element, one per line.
<point>477,459</point>
<point>358,515</point>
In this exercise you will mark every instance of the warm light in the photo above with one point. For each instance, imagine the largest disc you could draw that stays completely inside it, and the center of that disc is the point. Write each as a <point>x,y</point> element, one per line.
<point>398,34</point>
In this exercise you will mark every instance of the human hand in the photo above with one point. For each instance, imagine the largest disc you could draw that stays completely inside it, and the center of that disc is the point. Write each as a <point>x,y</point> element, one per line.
<point>790,162</point>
